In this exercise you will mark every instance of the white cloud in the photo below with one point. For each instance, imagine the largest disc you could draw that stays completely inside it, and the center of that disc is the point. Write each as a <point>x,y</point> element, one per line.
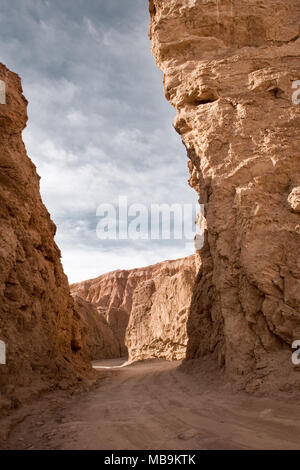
<point>99,125</point>
<point>87,264</point>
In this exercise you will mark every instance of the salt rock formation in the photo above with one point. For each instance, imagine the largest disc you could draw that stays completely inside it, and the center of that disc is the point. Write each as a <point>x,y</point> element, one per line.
<point>230,68</point>
<point>124,298</point>
<point>100,340</point>
<point>160,310</point>
<point>43,333</point>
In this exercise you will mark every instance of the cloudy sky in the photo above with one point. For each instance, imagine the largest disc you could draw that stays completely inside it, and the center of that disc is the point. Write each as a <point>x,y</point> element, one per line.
<point>99,125</point>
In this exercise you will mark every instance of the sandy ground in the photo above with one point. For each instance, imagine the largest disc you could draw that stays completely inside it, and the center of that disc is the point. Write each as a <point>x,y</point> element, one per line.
<point>153,405</point>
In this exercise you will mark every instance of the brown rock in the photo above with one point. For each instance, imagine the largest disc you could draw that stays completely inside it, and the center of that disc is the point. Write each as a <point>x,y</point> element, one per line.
<point>161,305</point>
<point>100,340</point>
<point>111,294</point>
<point>228,70</point>
<point>152,302</point>
<point>38,322</point>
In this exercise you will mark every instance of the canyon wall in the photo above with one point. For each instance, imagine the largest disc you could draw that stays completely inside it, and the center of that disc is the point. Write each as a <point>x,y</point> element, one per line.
<point>160,310</point>
<point>100,340</point>
<point>43,332</point>
<point>229,70</point>
<point>111,294</point>
<point>147,305</point>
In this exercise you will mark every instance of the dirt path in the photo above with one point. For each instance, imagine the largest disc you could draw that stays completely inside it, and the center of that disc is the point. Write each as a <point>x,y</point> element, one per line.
<point>152,405</point>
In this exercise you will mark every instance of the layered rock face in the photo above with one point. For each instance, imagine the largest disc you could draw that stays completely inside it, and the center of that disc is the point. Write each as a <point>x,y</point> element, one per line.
<point>101,341</point>
<point>43,333</point>
<point>160,310</point>
<point>229,67</point>
<point>150,303</point>
<point>111,295</point>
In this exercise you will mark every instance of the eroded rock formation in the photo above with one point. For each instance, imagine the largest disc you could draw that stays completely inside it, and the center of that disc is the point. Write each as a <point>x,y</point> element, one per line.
<point>160,310</point>
<point>45,345</point>
<point>151,303</point>
<point>229,67</point>
<point>111,294</point>
<point>100,339</point>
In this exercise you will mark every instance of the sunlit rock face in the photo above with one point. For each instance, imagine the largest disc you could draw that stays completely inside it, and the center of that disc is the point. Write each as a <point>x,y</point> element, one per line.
<point>229,70</point>
<point>161,306</point>
<point>43,333</point>
<point>146,308</point>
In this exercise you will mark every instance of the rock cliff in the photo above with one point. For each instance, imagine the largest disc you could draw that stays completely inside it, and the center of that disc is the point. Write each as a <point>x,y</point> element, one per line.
<point>229,70</point>
<point>43,333</point>
<point>100,340</point>
<point>151,303</point>
<point>160,310</point>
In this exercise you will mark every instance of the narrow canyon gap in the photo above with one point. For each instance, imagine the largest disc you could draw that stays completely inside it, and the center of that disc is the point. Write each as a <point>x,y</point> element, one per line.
<point>229,67</point>
<point>145,310</point>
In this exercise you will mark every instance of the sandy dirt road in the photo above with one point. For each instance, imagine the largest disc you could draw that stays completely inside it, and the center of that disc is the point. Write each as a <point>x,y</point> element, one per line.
<point>153,405</point>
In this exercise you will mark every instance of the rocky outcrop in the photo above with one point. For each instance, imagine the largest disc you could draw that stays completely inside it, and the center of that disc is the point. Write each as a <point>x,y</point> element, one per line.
<point>45,345</point>
<point>229,67</point>
<point>152,302</point>
<point>160,310</point>
<point>100,340</point>
<point>111,294</point>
